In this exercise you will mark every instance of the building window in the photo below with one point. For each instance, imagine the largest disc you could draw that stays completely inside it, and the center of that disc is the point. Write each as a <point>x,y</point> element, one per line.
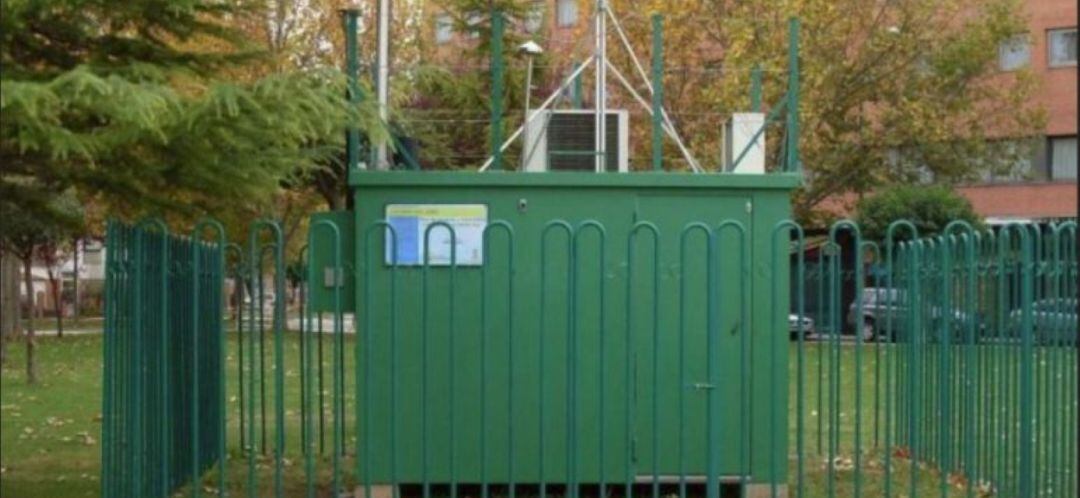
<point>474,20</point>
<point>1017,162</point>
<point>534,19</point>
<point>566,14</point>
<point>1062,46</point>
<point>1062,158</point>
<point>1014,53</point>
<point>444,28</point>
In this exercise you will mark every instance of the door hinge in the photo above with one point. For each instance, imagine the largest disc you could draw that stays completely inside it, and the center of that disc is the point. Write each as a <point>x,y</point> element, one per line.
<point>749,207</point>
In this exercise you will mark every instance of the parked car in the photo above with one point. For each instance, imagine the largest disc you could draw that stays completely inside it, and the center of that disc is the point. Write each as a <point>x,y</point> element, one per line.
<point>1053,320</point>
<point>884,312</point>
<point>885,315</point>
<point>793,326</point>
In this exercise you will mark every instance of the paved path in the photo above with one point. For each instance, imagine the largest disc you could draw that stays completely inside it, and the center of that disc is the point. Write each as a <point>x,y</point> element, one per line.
<point>67,332</point>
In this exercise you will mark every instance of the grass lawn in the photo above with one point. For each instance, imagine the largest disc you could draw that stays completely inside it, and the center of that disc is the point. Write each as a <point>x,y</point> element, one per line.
<point>82,323</point>
<point>50,433</point>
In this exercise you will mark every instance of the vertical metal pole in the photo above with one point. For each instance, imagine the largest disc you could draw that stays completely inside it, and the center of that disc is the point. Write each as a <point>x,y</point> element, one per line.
<point>134,445</point>
<point>755,88</point>
<point>196,484</point>
<point>352,69</point>
<point>382,77</point>
<point>528,92</point>
<point>218,282</point>
<point>658,92</point>
<point>601,73</point>
<point>528,85</point>
<point>79,245</point>
<point>496,89</point>
<point>792,163</point>
<point>107,367</point>
<point>577,91</point>
<point>1027,273</point>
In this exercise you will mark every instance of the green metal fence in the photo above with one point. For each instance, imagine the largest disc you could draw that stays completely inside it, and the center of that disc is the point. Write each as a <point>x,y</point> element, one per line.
<point>163,389</point>
<point>974,367</point>
<point>951,370</point>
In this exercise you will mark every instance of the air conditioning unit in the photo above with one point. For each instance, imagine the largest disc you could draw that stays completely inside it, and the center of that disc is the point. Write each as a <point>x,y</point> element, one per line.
<point>739,134</point>
<point>565,140</point>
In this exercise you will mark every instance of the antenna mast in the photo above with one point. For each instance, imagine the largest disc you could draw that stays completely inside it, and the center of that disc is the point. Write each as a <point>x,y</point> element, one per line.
<point>600,56</point>
<point>382,78</point>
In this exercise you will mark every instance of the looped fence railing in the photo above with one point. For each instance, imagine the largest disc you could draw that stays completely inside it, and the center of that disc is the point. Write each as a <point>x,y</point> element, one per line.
<point>581,359</point>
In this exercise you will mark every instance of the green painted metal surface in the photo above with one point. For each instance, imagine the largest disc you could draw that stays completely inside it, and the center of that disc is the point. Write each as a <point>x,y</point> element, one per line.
<point>498,20</point>
<point>658,92</point>
<point>791,135</point>
<point>349,21</point>
<point>162,389</point>
<point>627,402</point>
<point>324,280</point>
<point>755,88</point>
<point>964,386</point>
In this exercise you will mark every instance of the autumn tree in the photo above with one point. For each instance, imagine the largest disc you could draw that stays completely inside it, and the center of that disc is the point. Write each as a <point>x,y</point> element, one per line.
<point>309,35</point>
<point>26,234</point>
<point>56,249</point>
<point>445,102</point>
<point>155,107</point>
<point>9,302</point>
<point>891,92</point>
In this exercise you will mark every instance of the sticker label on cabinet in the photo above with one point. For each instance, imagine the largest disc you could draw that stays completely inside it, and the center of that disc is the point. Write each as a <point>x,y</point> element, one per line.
<point>411,223</point>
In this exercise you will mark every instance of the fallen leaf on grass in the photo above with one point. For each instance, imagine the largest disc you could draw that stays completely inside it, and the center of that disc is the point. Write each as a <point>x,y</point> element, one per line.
<point>87,439</point>
<point>840,463</point>
<point>960,481</point>
<point>985,489</point>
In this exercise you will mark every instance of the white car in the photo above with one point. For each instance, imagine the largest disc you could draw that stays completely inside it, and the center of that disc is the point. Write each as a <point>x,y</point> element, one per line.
<point>794,323</point>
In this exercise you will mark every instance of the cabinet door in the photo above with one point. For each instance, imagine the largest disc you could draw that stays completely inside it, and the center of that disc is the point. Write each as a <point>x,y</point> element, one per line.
<point>699,321</point>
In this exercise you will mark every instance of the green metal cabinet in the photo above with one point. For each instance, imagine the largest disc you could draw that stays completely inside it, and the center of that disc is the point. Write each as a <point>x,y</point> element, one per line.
<point>465,372</point>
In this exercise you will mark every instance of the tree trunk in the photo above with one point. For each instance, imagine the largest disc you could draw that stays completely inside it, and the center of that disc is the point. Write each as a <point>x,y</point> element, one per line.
<point>28,281</point>
<point>9,302</point>
<point>75,279</point>
<point>58,307</point>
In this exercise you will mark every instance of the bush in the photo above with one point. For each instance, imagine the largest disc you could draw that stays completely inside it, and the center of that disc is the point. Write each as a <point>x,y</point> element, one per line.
<point>930,208</point>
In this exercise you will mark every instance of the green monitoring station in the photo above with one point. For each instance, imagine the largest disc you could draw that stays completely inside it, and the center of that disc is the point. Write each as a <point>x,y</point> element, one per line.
<point>570,329</point>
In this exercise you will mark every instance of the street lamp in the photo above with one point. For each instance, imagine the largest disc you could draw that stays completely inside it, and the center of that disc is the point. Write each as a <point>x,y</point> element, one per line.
<point>530,50</point>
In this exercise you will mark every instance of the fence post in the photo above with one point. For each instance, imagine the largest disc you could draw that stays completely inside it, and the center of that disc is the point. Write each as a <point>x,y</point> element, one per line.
<point>352,68</point>
<point>658,92</point>
<point>755,88</point>
<point>793,97</point>
<point>1026,386</point>
<point>497,89</point>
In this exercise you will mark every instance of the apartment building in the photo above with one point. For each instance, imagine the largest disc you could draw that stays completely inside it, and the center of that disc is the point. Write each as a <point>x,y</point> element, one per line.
<point>1046,188</point>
